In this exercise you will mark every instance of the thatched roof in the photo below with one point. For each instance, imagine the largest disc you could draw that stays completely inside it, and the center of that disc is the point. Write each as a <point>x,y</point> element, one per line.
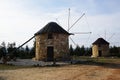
<point>52,27</point>
<point>100,41</point>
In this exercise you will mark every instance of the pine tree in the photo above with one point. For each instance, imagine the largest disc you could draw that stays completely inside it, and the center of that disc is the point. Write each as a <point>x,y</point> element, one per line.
<point>71,50</point>
<point>82,50</point>
<point>77,51</point>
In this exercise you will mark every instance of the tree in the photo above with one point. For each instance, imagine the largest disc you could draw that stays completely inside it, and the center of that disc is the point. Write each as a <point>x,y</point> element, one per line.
<point>3,44</point>
<point>32,51</point>
<point>77,51</point>
<point>71,50</point>
<point>88,51</point>
<point>114,51</point>
<point>3,49</point>
<point>27,49</point>
<point>82,50</point>
<point>11,48</point>
<point>3,52</point>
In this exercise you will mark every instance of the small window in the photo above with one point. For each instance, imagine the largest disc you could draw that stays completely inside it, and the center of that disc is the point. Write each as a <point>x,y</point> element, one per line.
<point>99,45</point>
<point>50,36</point>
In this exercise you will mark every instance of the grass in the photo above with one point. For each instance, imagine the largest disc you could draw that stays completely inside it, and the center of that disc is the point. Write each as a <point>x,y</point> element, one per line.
<point>12,67</point>
<point>81,58</point>
<point>99,59</point>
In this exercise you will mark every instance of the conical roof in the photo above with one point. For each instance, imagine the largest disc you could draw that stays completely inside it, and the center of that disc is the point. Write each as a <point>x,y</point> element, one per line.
<point>52,27</point>
<point>100,41</point>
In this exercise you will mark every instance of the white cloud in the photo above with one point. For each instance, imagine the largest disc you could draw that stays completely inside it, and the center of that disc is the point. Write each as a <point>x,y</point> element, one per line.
<point>18,23</point>
<point>108,24</point>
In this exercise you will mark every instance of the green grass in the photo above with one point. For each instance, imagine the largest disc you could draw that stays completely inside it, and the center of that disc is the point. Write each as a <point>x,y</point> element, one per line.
<point>99,59</point>
<point>12,67</point>
<point>84,58</point>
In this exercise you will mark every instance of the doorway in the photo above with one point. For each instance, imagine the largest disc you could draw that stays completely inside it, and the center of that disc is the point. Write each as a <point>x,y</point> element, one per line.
<point>100,53</point>
<point>50,53</point>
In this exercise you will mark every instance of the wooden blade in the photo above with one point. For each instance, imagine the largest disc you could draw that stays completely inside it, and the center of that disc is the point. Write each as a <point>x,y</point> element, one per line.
<point>82,32</point>
<point>77,20</point>
<point>73,41</point>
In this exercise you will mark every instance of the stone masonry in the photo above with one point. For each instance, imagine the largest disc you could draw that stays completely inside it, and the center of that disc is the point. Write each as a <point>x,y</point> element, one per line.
<point>59,42</point>
<point>103,48</point>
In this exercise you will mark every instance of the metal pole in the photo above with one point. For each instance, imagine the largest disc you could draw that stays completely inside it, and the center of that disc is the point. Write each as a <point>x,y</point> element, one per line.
<point>68,19</point>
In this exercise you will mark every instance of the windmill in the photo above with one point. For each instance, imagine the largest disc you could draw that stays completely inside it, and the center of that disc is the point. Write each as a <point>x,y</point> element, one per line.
<point>69,28</point>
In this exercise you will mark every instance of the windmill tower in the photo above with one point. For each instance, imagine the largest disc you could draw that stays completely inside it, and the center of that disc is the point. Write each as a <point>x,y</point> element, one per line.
<point>100,48</point>
<point>51,42</point>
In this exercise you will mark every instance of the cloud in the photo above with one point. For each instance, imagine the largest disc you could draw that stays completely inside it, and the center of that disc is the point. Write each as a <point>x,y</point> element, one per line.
<point>108,24</point>
<point>20,19</point>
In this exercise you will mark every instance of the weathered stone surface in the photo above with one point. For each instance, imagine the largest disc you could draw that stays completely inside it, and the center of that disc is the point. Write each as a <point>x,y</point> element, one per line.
<point>103,48</point>
<point>59,42</point>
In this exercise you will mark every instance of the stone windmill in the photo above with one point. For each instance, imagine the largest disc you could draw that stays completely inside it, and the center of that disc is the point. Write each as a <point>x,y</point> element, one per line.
<point>52,41</point>
<point>100,48</point>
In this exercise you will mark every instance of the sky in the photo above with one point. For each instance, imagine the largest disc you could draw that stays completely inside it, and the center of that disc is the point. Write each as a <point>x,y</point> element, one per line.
<point>21,19</point>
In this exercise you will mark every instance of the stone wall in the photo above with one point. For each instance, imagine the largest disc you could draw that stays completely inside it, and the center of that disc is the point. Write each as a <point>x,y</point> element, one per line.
<point>103,48</point>
<point>59,42</point>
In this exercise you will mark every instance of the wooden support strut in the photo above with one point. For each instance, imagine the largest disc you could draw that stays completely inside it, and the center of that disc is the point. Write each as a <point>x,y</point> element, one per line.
<point>23,44</point>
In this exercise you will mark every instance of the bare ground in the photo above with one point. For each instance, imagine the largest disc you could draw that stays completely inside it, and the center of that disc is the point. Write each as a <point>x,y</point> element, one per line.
<point>69,72</point>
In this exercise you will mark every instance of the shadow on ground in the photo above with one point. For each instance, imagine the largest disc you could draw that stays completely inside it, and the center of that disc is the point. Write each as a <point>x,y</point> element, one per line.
<point>107,65</point>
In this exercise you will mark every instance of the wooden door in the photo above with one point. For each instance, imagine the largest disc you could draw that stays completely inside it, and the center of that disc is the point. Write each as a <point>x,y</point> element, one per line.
<point>100,53</point>
<point>50,53</point>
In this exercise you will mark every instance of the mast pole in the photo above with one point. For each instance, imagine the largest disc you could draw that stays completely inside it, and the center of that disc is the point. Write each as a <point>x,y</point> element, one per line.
<point>68,19</point>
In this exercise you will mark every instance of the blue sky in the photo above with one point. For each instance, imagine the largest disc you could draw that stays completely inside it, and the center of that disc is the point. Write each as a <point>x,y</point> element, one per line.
<point>20,19</point>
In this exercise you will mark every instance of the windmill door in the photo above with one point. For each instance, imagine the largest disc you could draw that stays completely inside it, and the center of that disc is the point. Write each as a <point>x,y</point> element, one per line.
<point>50,53</point>
<point>100,53</point>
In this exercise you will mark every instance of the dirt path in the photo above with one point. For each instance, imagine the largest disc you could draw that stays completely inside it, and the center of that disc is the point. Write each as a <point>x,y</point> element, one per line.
<point>72,72</point>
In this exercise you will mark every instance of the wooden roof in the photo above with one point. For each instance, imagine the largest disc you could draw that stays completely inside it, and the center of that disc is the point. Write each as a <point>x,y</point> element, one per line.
<point>52,27</point>
<point>100,41</point>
